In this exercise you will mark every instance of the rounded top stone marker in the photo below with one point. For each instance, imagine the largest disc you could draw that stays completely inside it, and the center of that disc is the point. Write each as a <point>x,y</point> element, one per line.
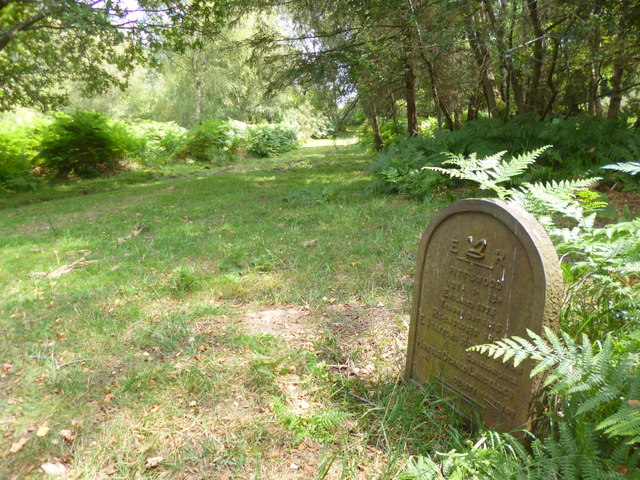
<point>486,270</point>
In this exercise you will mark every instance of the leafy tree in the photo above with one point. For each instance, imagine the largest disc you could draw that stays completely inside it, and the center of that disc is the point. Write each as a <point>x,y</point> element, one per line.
<point>217,78</point>
<point>43,43</point>
<point>442,58</point>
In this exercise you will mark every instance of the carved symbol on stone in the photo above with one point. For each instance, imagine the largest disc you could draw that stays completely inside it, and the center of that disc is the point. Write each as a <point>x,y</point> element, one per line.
<point>499,258</point>
<point>476,248</point>
<point>454,246</point>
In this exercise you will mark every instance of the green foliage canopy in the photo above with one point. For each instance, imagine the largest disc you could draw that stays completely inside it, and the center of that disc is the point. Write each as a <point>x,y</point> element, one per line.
<point>44,43</point>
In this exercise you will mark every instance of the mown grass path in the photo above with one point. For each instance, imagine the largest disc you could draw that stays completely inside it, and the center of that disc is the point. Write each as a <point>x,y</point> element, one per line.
<point>240,322</point>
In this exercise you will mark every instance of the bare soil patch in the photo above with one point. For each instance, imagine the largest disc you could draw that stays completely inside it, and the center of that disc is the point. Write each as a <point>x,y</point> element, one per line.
<point>620,200</point>
<point>292,324</point>
<point>367,338</point>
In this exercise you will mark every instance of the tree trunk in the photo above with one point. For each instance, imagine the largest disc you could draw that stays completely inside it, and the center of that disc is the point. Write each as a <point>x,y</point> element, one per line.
<point>197,67</point>
<point>481,55</point>
<point>533,96</point>
<point>552,86</point>
<point>515,76</point>
<point>441,107</point>
<point>595,105</point>
<point>472,113</point>
<point>410,93</point>
<point>513,81</point>
<point>474,106</point>
<point>197,112</point>
<point>616,91</point>
<point>615,101</point>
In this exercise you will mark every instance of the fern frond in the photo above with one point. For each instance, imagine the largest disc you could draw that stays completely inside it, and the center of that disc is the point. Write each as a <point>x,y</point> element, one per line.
<point>603,396</point>
<point>625,422</point>
<point>569,448</point>
<point>423,468</point>
<point>508,348</point>
<point>447,171</point>
<point>569,198</point>
<point>620,453</point>
<point>627,167</point>
<point>519,349</point>
<point>517,165</point>
<point>491,171</point>
<point>630,268</point>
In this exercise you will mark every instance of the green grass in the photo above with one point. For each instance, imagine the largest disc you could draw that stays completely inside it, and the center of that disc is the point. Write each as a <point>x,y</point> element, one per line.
<point>140,348</point>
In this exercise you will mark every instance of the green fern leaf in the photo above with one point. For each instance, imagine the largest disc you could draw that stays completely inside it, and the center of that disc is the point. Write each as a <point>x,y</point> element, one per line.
<point>625,422</point>
<point>627,167</point>
<point>490,171</point>
<point>517,165</point>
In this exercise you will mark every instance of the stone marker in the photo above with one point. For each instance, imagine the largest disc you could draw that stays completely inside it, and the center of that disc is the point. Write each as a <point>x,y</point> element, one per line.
<point>486,270</point>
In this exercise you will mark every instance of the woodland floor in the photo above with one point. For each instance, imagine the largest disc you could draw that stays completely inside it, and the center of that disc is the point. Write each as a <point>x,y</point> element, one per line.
<point>236,322</point>
<point>243,321</point>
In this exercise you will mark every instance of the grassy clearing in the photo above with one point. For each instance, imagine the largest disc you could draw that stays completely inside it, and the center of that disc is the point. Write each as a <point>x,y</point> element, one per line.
<point>245,321</point>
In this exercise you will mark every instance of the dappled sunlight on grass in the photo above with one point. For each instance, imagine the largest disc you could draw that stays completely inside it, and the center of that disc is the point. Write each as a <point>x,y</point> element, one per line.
<point>121,335</point>
<point>331,142</point>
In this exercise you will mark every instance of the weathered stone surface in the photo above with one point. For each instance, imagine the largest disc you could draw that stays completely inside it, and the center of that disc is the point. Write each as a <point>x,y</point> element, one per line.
<point>486,270</point>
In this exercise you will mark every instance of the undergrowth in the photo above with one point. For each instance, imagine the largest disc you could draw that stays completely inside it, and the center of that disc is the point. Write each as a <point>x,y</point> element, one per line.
<point>592,368</point>
<point>37,149</point>
<point>581,145</point>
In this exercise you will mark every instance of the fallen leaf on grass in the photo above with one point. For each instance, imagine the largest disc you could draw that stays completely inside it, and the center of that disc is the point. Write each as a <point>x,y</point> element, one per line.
<point>309,243</point>
<point>153,462</point>
<point>42,431</point>
<point>5,367</point>
<point>67,434</point>
<point>364,371</point>
<point>53,468</point>
<point>19,445</point>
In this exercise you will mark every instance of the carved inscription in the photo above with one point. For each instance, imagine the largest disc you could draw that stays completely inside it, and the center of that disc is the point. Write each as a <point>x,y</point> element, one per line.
<point>474,285</point>
<point>466,314</point>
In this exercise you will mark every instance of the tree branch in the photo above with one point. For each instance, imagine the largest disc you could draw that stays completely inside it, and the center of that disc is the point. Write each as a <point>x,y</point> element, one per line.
<point>8,35</point>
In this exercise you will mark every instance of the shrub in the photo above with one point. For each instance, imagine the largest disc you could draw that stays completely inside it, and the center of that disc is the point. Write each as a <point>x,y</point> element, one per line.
<point>308,122</point>
<point>208,142</point>
<point>85,144</point>
<point>268,140</point>
<point>400,167</point>
<point>390,130</point>
<point>17,148</point>
<point>163,139</point>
